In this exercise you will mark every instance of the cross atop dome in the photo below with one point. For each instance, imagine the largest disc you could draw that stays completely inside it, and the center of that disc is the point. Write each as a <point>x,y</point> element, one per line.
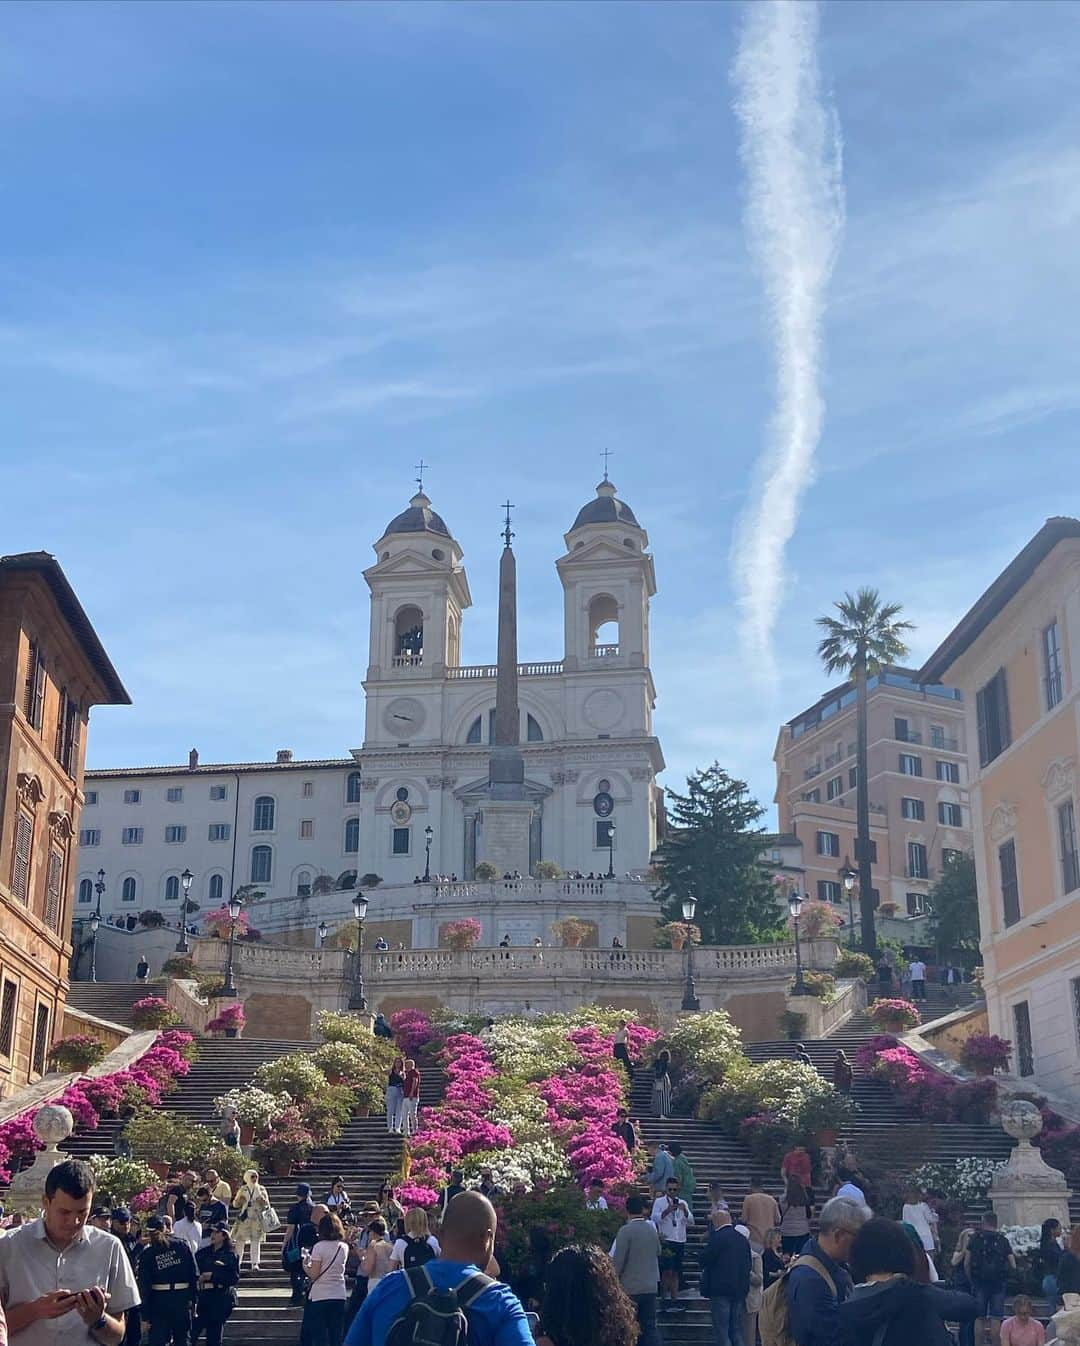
<point>606,508</point>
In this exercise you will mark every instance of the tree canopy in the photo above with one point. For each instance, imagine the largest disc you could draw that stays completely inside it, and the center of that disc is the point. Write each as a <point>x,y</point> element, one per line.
<point>867,634</point>
<point>712,852</point>
<point>954,902</point>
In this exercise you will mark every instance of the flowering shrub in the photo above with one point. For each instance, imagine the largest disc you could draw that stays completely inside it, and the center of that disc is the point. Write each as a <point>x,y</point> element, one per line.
<point>296,1075</point>
<point>463,934</point>
<point>117,1181</point>
<point>286,1143</point>
<point>340,1026</point>
<point>986,1049</point>
<point>232,1016</point>
<point>412,1030</point>
<point>851,963</point>
<point>893,1014</point>
<point>146,1200</point>
<point>153,1012</point>
<point>933,1096</point>
<point>79,1051</point>
<point>1023,1238</point>
<point>342,1059</point>
<point>817,919</point>
<point>966,1181</point>
<point>254,1107</point>
<point>219,922</point>
<point>820,984</point>
<point>705,1043</point>
<point>572,930</point>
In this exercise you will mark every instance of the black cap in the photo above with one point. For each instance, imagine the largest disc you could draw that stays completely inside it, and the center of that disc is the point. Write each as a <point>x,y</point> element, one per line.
<point>219,1227</point>
<point>303,1189</point>
<point>100,1212</point>
<point>122,1215</point>
<point>155,1222</point>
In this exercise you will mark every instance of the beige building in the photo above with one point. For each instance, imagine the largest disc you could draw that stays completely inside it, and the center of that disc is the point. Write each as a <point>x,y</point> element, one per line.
<point>1016,655</point>
<point>919,810</point>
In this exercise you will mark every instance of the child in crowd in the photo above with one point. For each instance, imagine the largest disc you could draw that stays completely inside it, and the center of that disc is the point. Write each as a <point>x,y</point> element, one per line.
<point>1022,1329</point>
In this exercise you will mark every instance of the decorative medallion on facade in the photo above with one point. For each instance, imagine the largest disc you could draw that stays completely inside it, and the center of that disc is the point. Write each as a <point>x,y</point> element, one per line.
<point>60,826</point>
<point>1060,778</point>
<point>29,790</point>
<point>1002,821</point>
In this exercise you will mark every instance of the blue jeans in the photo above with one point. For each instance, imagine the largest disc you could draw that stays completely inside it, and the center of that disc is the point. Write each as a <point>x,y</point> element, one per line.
<point>727,1327</point>
<point>646,1316</point>
<point>394,1096</point>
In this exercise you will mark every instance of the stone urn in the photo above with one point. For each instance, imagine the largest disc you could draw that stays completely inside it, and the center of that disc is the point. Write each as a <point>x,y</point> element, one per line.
<point>1027,1191</point>
<point>52,1125</point>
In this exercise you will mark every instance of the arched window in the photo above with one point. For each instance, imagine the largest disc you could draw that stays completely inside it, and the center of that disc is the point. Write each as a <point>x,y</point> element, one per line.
<point>533,732</point>
<point>303,883</point>
<point>215,891</point>
<point>86,891</point>
<point>172,889</point>
<point>264,814</point>
<point>261,864</point>
<point>409,636</point>
<point>603,626</point>
<point>476,730</point>
<point>127,890</point>
<point>352,788</point>
<point>352,836</point>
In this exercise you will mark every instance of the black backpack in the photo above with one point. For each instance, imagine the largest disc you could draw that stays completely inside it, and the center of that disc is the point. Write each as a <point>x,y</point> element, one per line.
<point>417,1252</point>
<point>436,1317</point>
<point>989,1257</point>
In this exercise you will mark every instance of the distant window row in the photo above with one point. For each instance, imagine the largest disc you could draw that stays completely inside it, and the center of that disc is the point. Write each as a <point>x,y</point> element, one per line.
<point>177,834</point>
<point>263,806</point>
<point>129,889</point>
<point>992,699</point>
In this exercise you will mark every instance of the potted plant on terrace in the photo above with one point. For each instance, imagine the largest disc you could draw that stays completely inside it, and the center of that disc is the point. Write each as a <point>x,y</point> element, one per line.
<point>229,1021</point>
<point>676,933</point>
<point>151,920</point>
<point>287,1143</point>
<point>462,935</point>
<point>486,872</point>
<point>822,1115</point>
<point>153,1012</point>
<point>572,930</point>
<point>166,1138</point>
<point>255,1109</point>
<point>217,923</point>
<point>893,1015</point>
<point>986,1052</point>
<point>79,1052</point>
<point>340,1062</point>
<point>118,1180</point>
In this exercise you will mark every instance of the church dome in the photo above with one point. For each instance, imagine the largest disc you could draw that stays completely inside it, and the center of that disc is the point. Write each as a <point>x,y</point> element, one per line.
<point>606,508</point>
<point>418,518</point>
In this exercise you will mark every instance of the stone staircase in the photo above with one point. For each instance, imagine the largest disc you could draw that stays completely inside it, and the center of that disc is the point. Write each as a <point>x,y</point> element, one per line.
<point>112,1000</point>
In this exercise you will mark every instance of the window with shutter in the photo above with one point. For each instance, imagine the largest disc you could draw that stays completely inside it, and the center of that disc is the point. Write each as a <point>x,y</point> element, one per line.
<point>35,686</point>
<point>1010,885</point>
<point>8,1009</point>
<point>54,888</point>
<point>20,862</point>
<point>992,707</point>
<point>61,721</point>
<point>41,1039</point>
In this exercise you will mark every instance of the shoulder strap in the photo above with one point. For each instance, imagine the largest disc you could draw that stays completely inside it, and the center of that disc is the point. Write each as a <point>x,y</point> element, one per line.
<point>419,1281</point>
<point>472,1287</point>
<point>815,1265</point>
<point>333,1263</point>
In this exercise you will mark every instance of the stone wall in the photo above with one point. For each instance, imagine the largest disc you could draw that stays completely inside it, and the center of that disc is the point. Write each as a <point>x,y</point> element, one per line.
<point>949,1034</point>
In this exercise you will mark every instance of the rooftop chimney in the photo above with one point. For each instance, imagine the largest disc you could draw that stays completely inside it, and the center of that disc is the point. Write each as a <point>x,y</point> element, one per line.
<point>284,754</point>
<point>193,759</point>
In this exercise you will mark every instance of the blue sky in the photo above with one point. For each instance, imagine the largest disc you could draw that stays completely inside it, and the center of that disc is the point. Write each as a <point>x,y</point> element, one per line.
<point>258,259</point>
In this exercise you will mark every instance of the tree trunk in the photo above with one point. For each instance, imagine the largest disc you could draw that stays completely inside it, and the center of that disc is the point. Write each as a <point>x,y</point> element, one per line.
<point>862,813</point>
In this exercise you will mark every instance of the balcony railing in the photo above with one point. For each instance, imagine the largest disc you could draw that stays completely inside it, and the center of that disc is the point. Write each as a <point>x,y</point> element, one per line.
<point>944,744</point>
<point>912,736</point>
<point>604,651</point>
<point>408,660</point>
<point>812,771</point>
<point>545,669</point>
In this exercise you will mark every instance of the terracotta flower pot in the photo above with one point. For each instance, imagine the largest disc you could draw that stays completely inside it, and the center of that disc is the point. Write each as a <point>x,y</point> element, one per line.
<point>247,1134</point>
<point>282,1167</point>
<point>983,1069</point>
<point>678,942</point>
<point>362,1110</point>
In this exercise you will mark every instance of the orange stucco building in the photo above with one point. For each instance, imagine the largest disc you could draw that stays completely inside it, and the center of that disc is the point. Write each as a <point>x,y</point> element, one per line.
<point>1016,655</point>
<point>52,670</point>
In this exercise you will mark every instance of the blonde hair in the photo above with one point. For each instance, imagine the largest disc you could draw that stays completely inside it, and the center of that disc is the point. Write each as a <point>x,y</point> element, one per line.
<point>416,1223</point>
<point>772,1238</point>
<point>1023,1302</point>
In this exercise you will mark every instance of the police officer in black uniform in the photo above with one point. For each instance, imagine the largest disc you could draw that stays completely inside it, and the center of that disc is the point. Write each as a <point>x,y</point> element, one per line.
<point>168,1281</point>
<point>219,1273</point>
<point>120,1227</point>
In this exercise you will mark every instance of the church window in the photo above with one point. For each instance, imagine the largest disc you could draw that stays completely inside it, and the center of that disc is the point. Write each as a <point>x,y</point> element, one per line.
<point>604,832</point>
<point>352,788</point>
<point>216,888</point>
<point>303,883</point>
<point>475,734</point>
<point>533,732</point>
<point>86,892</point>
<point>128,890</point>
<point>399,842</point>
<point>352,836</point>
<point>172,889</point>
<point>438,554</point>
<point>401,793</point>
<point>409,637</point>
<point>603,786</point>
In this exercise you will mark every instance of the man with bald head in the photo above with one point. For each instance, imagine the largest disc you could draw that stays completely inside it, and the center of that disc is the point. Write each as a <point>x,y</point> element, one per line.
<point>467,1240</point>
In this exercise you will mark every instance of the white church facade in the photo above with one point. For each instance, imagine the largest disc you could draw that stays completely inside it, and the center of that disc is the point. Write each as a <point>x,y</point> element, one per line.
<point>416,797</point>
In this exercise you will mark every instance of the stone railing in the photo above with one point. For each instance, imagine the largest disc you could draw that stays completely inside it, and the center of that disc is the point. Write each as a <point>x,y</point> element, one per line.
<point>483,891</point>
<point>273,962</point>
<point>545,669</point>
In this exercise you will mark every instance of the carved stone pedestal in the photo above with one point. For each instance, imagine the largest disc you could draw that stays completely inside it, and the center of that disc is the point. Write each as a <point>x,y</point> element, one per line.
<point>1028,1191</point>
<point>53,1124</point>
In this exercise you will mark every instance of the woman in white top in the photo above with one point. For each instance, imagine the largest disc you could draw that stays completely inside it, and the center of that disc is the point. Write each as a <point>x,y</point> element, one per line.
<point>252,1201</point>
<point>377,1256</point>
<point>417,1234</point>
<point>324,1318</point>
<point>187,1227</point>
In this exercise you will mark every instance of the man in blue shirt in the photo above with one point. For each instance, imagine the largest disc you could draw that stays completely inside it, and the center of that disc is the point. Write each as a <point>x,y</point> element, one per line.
<point>467,1239</point>
<point>812,1299</point>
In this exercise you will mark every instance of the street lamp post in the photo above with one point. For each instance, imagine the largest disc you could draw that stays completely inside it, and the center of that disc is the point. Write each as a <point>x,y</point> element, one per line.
<point>356,999</point>
<point>236,905</point>
<point>186,880</point>
<point>847,878</point>
<point>795,901</point>
<point>611,849</point>
<point>690,1001</point>
<point>95,923</point>
<point>429,832</point>
<point>322,933</point>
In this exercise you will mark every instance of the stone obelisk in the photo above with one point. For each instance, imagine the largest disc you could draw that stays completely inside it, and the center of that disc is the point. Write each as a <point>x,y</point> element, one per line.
<point>507,813</point>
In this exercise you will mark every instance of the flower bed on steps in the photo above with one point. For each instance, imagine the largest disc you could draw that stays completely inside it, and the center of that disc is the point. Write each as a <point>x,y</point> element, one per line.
<point>534,1101</point>
<point>146,1081</point>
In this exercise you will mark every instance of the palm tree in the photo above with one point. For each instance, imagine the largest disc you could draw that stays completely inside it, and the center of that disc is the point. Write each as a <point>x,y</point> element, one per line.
<point>864,639</point>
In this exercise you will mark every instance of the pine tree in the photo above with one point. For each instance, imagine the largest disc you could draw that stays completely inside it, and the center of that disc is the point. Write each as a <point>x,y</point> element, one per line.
<point>954,905</point>
<point>712,852</point>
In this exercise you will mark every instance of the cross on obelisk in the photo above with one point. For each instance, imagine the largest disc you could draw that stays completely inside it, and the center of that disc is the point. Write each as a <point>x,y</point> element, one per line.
<point>605,454</point>
<point>508,534</point>
<point>420,474</point>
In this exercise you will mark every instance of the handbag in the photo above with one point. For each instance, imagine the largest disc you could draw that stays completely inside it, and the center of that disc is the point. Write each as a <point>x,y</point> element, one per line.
<point>270,1220</point>
<point>308,1286</point>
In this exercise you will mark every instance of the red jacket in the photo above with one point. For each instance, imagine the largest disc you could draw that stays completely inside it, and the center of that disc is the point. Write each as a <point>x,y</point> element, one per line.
<point>412,1083</point>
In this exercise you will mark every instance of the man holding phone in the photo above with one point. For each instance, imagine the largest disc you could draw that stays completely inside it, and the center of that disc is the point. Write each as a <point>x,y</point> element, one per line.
<point>63,1282</point>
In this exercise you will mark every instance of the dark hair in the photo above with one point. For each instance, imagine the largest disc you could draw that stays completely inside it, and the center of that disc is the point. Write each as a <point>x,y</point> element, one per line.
<point>755,1180</point>
<point>881,1246</point>
<point>795,1193</point>
<point>74,1177</point>
<point>330,1227</point>
<point>665,1057</point>
<point>377,1226</point>
<point>674,1148</point>
<point>584,1304</point>
<point>1049,1232</point>
<point>225,1235</point>
<point>188,1211</point>
<point>597,1182</point>
<point>635,1205</point>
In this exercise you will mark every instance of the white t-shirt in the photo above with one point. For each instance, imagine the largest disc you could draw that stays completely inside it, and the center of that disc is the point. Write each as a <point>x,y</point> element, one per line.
<point>672,1224</point>
<point>401,1244</point>
<point>917,971</point>
<point>332,1255</point>
<point>922,1219</point>
<point>599,1204</point>
<point>190,1231</point>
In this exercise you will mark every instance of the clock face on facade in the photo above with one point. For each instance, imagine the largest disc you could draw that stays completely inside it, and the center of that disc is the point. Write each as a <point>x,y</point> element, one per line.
<point>400,812</point>
<point>404,717</point>
<point>603,804</point>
